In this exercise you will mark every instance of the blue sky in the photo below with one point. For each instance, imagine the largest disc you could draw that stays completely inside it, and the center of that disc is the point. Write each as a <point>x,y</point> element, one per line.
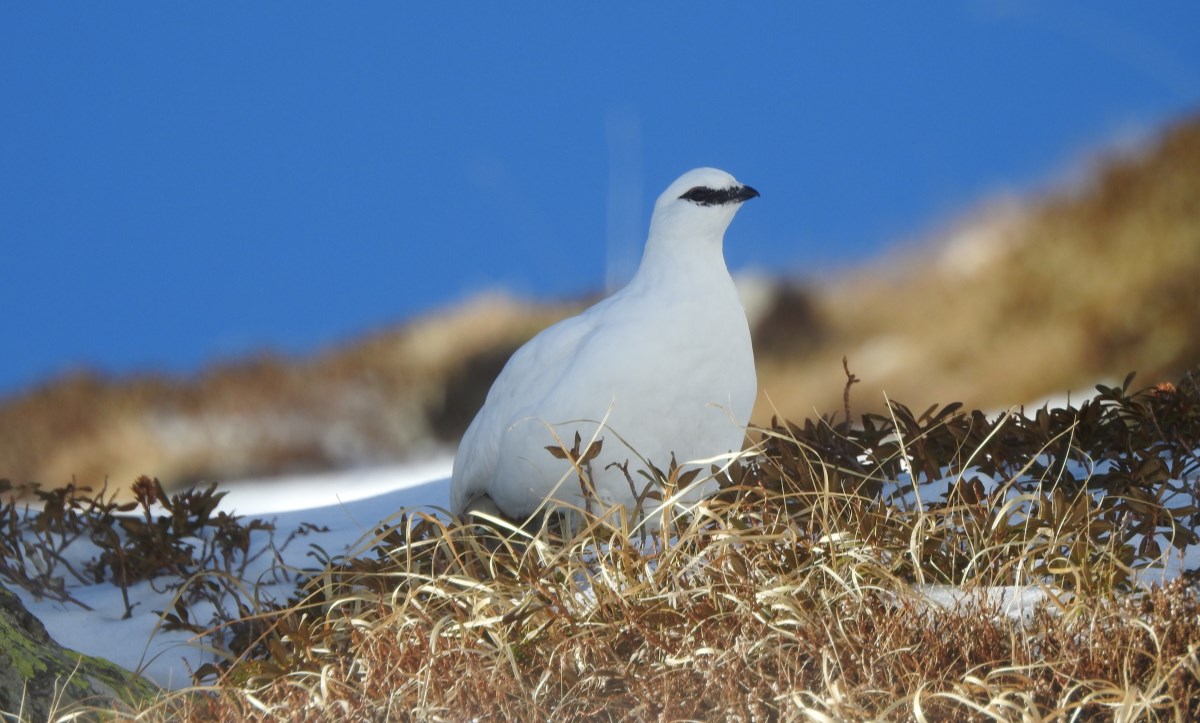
<point>182,183</point>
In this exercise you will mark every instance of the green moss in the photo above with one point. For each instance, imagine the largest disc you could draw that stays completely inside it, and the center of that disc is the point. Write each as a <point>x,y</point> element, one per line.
<point>128,686</point>
<point>26,656</point>
<point>51,673</point>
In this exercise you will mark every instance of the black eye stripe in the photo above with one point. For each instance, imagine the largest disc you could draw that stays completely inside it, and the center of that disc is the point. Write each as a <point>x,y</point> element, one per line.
<point>705,196</point>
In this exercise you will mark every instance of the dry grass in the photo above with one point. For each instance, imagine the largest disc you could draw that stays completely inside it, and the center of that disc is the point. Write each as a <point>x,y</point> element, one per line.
<point>740,648</point>
<point>741,630</point>
<point>793,594</point>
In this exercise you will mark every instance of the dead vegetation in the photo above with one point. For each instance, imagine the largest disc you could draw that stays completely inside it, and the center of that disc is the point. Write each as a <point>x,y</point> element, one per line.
<point>798,592</point>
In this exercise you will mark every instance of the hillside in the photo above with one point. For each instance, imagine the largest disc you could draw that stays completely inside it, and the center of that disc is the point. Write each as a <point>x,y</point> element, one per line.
<point>1015,302</point>
<point>399,394</point>
<point>1019,301</point>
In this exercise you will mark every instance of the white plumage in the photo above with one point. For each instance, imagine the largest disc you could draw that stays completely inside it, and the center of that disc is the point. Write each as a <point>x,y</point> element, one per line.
<point>665,363</point>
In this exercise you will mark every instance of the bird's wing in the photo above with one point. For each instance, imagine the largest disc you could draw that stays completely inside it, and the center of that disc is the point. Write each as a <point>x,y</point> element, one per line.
<point>532,374</point>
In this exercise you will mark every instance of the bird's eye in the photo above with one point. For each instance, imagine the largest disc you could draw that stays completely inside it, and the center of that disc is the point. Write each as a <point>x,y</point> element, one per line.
<point>702,195</point>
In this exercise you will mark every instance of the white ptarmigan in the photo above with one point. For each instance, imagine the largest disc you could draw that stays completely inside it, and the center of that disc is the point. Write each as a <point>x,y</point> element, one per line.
<point>665,364</point>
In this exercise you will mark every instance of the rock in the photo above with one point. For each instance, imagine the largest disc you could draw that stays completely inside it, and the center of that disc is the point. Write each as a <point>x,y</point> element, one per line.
<point>39,677</point>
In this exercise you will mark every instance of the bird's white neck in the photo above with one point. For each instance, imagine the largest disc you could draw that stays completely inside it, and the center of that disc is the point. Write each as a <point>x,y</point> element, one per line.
<point>682,258</point>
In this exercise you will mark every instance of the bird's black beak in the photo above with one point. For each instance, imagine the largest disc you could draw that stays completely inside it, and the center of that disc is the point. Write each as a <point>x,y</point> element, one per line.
<point>744,193</point>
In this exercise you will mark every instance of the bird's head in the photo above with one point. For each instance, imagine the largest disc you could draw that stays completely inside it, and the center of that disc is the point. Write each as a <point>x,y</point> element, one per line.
<point>701,202</point>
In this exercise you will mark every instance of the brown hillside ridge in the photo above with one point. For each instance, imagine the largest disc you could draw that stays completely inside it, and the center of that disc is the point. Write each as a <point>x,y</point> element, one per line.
<point>1019,301</point>
<point>402,393</point>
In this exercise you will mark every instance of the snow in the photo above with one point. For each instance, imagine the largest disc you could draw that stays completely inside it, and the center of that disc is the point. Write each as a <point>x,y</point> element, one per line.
<point>1016,602</point>
<point>409,486</point>
<point>350,504</point>
<point>1169,565</point>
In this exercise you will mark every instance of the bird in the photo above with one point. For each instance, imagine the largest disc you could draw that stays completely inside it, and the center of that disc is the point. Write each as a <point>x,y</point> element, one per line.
<point>659,373</point>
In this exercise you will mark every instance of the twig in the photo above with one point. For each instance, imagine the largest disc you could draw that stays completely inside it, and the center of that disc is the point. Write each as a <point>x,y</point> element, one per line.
<point>850,380</point>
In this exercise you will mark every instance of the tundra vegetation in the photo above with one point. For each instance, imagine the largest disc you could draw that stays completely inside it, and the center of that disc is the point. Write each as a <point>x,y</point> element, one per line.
<point>809,588</point>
